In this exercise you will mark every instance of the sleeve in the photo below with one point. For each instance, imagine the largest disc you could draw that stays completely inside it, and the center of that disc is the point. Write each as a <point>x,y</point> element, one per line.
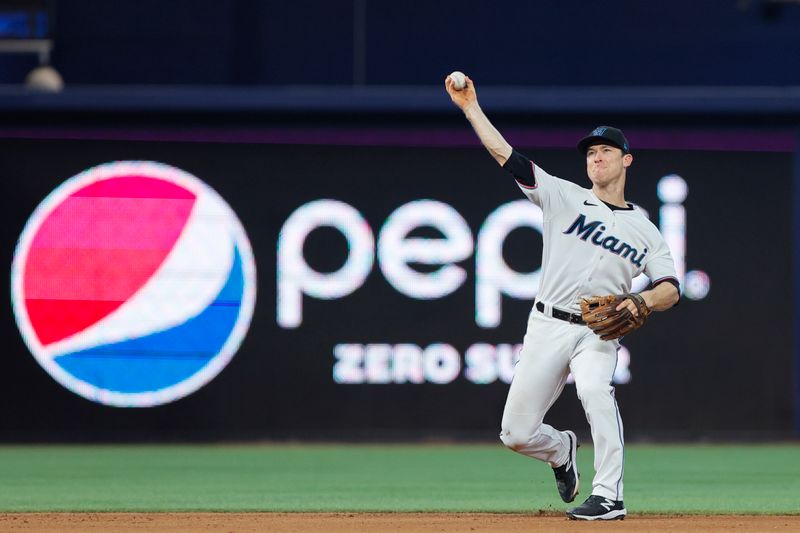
<point>544,190</point>
<point>660,267</point>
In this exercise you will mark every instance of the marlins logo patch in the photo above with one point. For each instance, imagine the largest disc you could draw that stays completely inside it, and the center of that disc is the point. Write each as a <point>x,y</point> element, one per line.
<point>133,284</point>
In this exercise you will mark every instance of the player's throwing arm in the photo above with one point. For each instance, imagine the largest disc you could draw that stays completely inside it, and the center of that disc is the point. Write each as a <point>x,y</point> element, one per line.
<point>466,99</point>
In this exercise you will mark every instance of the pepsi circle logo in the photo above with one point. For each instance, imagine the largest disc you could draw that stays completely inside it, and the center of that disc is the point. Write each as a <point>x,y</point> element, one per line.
<point>133,284</point>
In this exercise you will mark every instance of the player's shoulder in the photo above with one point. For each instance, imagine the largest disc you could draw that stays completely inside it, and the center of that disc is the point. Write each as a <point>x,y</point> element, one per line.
<point>639,217</point>
<point>561,182</point>
<point>637,212</point>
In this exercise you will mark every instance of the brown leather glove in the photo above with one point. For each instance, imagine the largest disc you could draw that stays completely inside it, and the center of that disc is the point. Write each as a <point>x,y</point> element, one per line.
<point>601,315</point>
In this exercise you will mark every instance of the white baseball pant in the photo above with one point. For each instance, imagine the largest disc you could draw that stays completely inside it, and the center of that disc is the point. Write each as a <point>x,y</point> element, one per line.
<point>551,349</point>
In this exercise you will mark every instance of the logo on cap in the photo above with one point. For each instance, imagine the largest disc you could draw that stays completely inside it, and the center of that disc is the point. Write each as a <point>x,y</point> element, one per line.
<point>599,131</point>
<point>133,284</point>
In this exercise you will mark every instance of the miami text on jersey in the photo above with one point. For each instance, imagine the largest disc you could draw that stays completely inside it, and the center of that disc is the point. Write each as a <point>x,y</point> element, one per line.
<point>614,245</point>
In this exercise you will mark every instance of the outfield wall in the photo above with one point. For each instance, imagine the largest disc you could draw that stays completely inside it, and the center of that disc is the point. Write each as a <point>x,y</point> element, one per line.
<point>353,336</point>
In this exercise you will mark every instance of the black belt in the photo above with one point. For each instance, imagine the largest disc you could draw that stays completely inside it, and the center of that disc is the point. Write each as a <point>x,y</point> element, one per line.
<point>572,318</point>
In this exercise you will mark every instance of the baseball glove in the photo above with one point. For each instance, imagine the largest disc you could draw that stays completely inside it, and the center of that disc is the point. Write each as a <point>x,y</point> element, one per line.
<point>601,315</point>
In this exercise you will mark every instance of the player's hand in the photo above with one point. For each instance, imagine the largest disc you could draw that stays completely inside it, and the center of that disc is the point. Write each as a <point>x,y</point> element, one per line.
<point>614,315</point>
<point>630,306</point>
<point>463,98</point>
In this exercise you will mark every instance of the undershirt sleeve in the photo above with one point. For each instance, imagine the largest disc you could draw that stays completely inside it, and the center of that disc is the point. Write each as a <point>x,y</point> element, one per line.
<point>522,169</point>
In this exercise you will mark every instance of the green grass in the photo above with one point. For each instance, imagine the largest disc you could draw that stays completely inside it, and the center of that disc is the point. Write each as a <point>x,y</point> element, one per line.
<point>458,478</point>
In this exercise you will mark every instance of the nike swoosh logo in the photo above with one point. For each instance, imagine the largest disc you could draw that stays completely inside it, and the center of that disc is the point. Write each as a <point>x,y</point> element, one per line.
<point>586,202</point>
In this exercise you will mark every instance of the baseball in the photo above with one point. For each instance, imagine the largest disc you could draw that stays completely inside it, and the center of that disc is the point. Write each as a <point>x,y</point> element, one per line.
<point>459,80</point>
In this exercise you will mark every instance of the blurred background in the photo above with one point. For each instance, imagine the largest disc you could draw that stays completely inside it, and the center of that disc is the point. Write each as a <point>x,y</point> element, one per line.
<point>325,128</point>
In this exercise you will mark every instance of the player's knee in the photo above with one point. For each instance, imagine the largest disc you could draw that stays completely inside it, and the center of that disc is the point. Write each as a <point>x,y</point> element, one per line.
<point>512,441</point>
<point>517,441</point>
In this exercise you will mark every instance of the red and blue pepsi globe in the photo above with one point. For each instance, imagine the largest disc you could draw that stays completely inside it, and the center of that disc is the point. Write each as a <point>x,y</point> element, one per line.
<point>133,284</point>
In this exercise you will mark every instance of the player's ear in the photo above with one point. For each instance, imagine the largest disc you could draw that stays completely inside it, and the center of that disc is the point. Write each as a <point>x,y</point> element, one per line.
<point>627,160</point>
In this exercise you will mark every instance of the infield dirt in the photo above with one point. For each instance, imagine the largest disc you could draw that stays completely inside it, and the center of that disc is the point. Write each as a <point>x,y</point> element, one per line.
<point>350,522</point>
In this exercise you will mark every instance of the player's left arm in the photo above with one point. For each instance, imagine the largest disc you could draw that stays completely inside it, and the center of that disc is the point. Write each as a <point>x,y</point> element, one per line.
<point>659,298</point>
<point>665,291</point>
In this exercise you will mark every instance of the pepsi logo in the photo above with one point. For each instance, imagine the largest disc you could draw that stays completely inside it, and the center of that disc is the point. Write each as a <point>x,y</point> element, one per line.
<point>133,284</point>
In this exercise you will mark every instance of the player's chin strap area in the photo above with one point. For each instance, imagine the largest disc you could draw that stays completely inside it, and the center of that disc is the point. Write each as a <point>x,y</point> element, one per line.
<point>566,316</point>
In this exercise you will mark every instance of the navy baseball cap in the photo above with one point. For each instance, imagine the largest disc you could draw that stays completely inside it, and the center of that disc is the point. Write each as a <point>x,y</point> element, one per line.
<point>605,135</point>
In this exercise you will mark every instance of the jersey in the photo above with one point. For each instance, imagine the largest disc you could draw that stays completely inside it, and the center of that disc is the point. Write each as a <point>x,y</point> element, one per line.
<point>590,247</point>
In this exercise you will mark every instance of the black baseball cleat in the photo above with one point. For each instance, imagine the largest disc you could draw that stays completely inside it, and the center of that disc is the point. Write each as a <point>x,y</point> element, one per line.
<point>598,508</point>
<point>567,477</point>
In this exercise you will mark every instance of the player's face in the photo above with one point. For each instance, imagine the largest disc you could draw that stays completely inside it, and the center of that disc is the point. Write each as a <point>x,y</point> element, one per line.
<point>606,164</point>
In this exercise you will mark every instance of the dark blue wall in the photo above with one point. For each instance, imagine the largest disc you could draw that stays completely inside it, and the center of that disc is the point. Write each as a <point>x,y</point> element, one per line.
<point>544,42</point>
<point>691,377</point>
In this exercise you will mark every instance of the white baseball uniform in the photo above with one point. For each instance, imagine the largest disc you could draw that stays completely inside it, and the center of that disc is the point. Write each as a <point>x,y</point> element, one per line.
<point>590,248</point>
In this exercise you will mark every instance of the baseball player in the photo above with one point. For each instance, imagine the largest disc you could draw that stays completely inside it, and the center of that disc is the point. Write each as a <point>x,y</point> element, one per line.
<point>595,243</point>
